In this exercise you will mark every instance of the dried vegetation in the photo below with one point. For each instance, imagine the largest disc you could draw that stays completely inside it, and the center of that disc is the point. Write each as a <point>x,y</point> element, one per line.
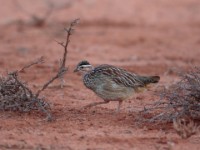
<point>15,95</point>
<point>180,104</point>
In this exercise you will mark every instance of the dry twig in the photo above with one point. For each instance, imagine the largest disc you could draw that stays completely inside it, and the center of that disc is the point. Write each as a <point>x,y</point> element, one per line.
<point>15,95</point>
<point>179,101</point>
<point>37,20</point>
<point>38,61</point>
<point>65,46</point>
<point>184,128</point>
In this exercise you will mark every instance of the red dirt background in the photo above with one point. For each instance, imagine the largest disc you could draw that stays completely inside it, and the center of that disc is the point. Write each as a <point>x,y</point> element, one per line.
<point>155,37</point>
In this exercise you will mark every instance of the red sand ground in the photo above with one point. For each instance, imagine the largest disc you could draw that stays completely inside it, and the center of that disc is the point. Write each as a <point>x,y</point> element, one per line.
<point>147,37</point>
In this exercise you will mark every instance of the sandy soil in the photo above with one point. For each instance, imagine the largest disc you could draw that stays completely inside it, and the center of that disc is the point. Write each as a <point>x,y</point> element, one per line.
<point>148,37</point>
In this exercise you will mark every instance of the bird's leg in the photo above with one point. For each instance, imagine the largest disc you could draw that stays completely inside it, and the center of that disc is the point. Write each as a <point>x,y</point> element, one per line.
<point>119,106</point>
<point>96,103</point>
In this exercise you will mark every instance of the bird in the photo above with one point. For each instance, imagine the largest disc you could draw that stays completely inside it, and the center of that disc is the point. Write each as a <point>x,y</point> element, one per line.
<point>112,83</point>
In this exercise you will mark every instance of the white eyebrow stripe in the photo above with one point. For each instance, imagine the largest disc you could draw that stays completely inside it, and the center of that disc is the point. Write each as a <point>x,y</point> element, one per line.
<point>86,65</point>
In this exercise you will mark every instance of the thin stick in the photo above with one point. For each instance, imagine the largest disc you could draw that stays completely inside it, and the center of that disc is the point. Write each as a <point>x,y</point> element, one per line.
<point>65,45</point>
<point>38,61</point>
<point>60,73</point>
<point>62,70</point>
<point>14,75</point>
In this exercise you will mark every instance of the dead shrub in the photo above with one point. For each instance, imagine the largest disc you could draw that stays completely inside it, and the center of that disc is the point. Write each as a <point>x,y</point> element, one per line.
<point>38,19</point>
<point>15,95</point>
<point>180,100</point>
<point>185,128</point>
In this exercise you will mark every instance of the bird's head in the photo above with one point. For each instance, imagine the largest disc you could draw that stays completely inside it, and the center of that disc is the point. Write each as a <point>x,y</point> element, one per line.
<point>83,67</point>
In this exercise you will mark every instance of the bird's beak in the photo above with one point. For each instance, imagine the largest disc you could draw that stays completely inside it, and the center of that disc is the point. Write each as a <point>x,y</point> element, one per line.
<point>76,70</point>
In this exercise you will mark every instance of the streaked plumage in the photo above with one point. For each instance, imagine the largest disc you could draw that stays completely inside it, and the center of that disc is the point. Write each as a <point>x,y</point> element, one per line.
<point>112,83</point>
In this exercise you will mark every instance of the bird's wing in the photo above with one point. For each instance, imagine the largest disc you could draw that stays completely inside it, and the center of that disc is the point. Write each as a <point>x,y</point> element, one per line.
<point>120,76</point>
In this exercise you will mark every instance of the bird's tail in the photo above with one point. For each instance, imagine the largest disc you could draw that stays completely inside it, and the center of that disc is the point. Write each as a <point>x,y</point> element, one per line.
<point>150,79</point>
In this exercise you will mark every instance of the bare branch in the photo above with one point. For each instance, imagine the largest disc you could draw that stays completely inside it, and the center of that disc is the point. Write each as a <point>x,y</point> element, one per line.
<point>37,20</point>
<point>60,43</point>
<point>185,128</point>
<point>38,61</point>
<point>69,33</point>
<point>180,100</point>
<point>16,96</point>
<point>14,75</point>
<point>58,75</point>
<point>62,69</point>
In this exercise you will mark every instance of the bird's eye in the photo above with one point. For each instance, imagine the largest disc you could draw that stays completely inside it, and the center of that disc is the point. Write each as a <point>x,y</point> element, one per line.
<point>81,67</point>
